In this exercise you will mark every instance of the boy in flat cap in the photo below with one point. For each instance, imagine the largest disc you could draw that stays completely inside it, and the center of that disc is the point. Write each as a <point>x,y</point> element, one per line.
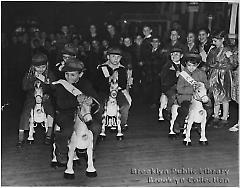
<point>185,89</point>
<point>38,72</point>
<point>169,76</point>
<point>68,51</point>
<point>67,105</point>
<point>110,69</point>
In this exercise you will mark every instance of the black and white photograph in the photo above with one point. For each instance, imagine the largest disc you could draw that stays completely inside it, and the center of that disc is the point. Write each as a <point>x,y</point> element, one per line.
<point>120,93</point>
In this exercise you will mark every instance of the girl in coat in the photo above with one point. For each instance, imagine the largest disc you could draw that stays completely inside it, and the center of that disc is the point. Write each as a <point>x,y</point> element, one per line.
<point>220,63</point>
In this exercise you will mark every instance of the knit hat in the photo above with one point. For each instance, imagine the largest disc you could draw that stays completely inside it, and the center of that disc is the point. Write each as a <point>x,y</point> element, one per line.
<point>73,64</point>
<point>39,59</point>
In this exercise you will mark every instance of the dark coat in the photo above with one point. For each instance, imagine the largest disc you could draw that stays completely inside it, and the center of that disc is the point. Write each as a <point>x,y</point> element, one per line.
<point>127,56</point>
<point>29,103</point>
<point>169,47</point>
<point>28,84</point>
<point>93,60</point>
<point>146,50</point>
<point>206,46</point>
<point>157,60</point>
<point>68,102</point>
<point>102,82</point>
<point>136,54</point>
<point>168,75</point>
<point>113,40</point>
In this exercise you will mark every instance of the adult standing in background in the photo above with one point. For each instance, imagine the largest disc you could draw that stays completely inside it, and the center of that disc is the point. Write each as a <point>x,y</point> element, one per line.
<point>157,64</point>
<point>137,65</point>
<point>173,43</point>
<point>92,34</point>
<point>191,43</point>
<point>146,53</point>
<point>112,36</point>
<point>220,63</point>
<point>204,45</point>
<point>235,75</point>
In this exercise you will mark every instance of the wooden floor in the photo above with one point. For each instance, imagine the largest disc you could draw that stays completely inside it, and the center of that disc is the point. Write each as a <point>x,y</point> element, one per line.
<point>134,161</point>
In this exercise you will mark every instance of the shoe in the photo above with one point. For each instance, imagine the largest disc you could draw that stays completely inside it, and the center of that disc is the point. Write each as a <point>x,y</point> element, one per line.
<point>47,141</point>
<point>178,135</point>
<point>167,115</point>
<point>19,144</point>
<point>214,123</point>
<point>153,106</point>
<point>62,158</point>
<point>223,123</point>
<point>125,127</point>
<point>176,128</point>
<point>234,128</point>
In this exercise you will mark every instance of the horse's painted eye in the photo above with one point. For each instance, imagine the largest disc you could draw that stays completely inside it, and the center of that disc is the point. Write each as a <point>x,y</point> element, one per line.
<point>198,91</point>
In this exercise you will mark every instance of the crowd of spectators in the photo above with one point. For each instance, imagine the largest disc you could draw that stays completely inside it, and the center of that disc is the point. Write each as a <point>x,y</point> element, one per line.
<point>144,52</point>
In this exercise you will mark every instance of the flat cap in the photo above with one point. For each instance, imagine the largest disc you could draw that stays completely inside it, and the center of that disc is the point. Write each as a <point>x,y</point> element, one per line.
<point>73,64</point>
<point>176,49</point>
<point>114,50</point>
<point>39,59</point>
<point>193,57</point>
<point>69,49</point>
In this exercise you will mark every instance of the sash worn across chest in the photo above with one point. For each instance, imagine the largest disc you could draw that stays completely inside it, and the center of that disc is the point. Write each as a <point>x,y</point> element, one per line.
<point>105,71</point>
<point>69,87</point>
<point>187,77</point>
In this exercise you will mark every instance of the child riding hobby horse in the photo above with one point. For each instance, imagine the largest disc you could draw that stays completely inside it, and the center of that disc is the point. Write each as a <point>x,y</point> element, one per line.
<point>197,114</point>
<point>82,138</point>
<point>111,115</point>
<point>38,115</point>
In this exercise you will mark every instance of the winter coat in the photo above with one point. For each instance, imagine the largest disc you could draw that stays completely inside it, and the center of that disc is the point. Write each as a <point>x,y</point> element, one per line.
<point>185,89</point>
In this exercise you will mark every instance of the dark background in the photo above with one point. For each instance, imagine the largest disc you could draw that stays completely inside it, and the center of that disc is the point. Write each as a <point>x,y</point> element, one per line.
<point>51,15</point>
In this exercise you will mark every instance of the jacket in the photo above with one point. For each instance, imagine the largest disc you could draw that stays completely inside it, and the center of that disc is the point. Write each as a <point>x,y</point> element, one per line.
<point>67,102</point>
<point>29,80</point>
<point>185,89</point>
<point>168,75</point>
<point>102,81</point>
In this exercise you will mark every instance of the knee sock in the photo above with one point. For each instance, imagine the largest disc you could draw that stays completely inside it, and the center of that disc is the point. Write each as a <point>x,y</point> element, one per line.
<point>20,135</point>
<point>225,110</point>
<point>216,110</point>
<point>49,132</point>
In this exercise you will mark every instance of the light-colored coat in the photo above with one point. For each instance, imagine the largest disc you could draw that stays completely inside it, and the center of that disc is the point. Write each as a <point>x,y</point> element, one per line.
<point>185,89</point>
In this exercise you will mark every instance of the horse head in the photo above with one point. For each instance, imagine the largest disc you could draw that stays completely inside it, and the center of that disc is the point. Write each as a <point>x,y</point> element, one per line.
<point>38,93</point>
<point>113,91</point>
<point>114,85</point>
<point>84,108</point>
<point>200,92</point>
<point>112,101</point>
